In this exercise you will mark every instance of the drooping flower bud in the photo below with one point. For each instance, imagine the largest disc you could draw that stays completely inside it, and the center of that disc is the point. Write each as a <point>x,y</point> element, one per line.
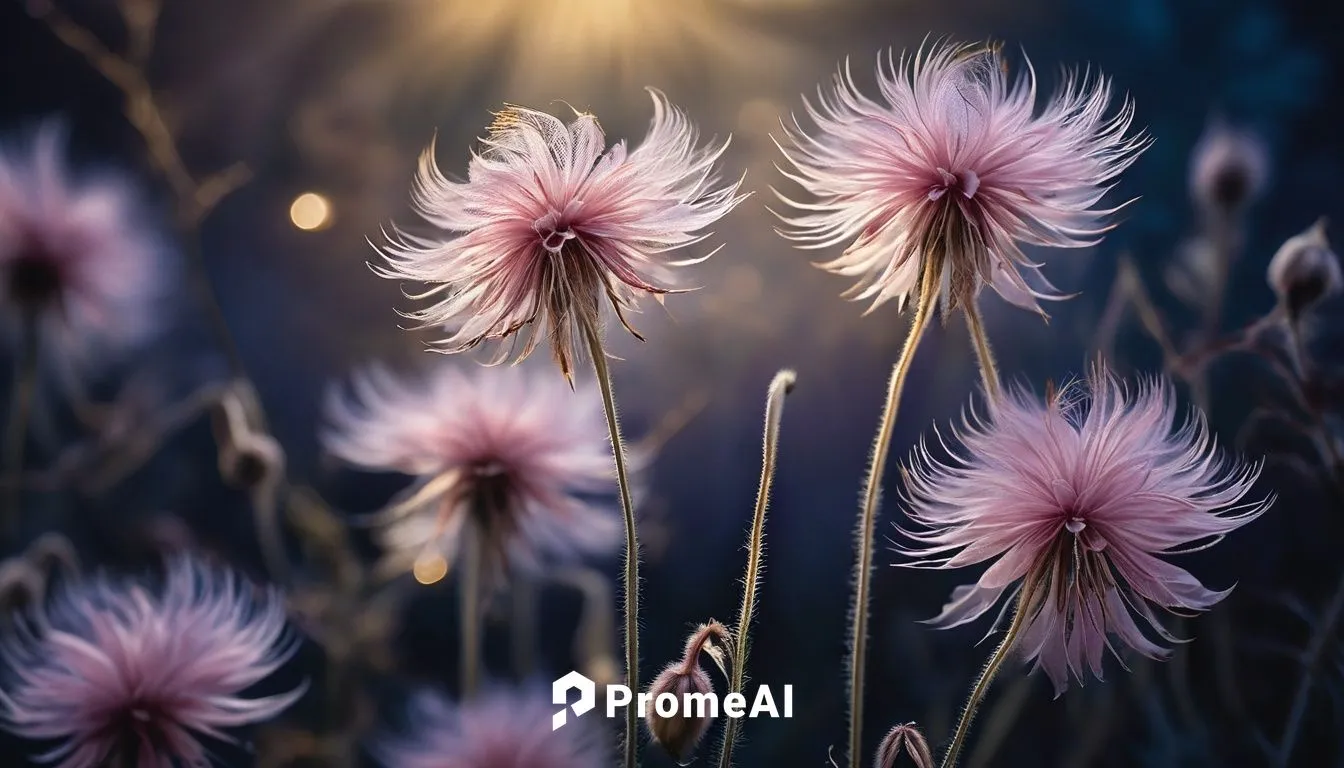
<point>1228,169</point>
<point>249,458</point>
<point>1305,270</point>
<point>680,732</point>
<point>680,720</point>
<point>901,739</point>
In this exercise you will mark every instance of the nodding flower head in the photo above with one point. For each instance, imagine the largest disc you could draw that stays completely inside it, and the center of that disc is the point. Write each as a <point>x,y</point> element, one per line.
<point>1305,270</point>
<point>1228,169</point>
<point>953,169</point>
<point>680,732</point>
<point>499,728</point>
<point>1077,501</point>
<point>549,221</point>
<point>76,257</point>
<point>113,668</point>
<point>513,453</point>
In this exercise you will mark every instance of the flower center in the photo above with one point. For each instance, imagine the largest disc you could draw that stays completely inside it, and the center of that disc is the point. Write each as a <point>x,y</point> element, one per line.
<point>965,182</point>
<point>555,229</point>
<point>1090,538</point>
<point>34,277</point>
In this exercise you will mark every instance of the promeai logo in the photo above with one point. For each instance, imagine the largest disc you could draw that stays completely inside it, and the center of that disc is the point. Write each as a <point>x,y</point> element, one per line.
<point>733,705</point>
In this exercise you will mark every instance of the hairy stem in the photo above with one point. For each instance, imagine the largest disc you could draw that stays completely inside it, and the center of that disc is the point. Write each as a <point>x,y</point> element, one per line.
<point>780,387</point>
<point>469,609</point>
<point>984,354</point>
<point>20,413</point>
<point>858,638</point>
<point>1025,604</point>
<point>631,579</point>
<point>1316,651</point>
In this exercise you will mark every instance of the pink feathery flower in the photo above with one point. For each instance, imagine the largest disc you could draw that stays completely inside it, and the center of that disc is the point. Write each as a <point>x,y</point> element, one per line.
<point>76,257</point>
<point>952,171</point>
<point>516,453</point>
<point>550,219</point>
<point>499,728</point>
<point>1078,500</point>
<point>114,668</point>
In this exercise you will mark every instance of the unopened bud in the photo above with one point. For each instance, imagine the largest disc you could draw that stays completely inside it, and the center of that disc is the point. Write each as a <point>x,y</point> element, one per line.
<point>51,553</point>
<point>1305,270</point>
<point>1228,169</point>
<point>679,733</point>
<point>248,456</point>
<point>21,586</point>
<point>251,461</point>
<point>904,738</point>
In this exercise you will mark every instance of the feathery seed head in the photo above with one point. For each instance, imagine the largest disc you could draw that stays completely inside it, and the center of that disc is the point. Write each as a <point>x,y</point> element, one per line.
<point>497,729</point>
<point>113,666</point>
<point>1077,501</point>
<point>550,221</point>
<point>75,256</point>
<point>952,170</point>
<point>515,453</point>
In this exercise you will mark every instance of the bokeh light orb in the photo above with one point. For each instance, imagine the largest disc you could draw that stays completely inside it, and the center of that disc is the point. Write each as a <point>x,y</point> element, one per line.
<point>310,212</point>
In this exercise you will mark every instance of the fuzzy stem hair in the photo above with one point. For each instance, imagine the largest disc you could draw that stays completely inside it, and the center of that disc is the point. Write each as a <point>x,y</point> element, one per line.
<point>630,583</point>
<point>780,387</point>
<point>863,567</point>
<point>1026,604</point>
<point>984,353</point>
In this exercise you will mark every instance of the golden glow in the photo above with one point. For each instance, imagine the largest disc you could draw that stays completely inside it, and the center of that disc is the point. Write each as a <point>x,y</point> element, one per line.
<point>544,42</point>
<point>310,212</point>
<point>430,568</point>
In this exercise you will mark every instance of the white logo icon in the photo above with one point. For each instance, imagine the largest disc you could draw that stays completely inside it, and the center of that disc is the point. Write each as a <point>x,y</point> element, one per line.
<point>560,695</point>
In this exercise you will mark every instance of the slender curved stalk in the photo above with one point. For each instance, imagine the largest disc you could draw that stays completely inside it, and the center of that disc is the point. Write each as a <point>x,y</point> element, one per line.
<point>20,413</point>
<point>1320,643</point>
<point>780,387</point>
<point>266,514</point>
<point>592,636</point>
<point>984,354</point>
<point>631,579</point>
<point>1025,603</point>
<point>858,638</point>
<point>523,627</point>
<point>469,609</point>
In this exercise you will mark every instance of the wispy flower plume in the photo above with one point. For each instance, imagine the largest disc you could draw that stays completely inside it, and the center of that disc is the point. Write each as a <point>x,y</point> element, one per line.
<point>76,257</point>
<point>498,728</point>
<point>117,668</point>
<point>550,220</point>
<point>952,170</point>
<point>515,453</point>
<point>1077,501</point>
